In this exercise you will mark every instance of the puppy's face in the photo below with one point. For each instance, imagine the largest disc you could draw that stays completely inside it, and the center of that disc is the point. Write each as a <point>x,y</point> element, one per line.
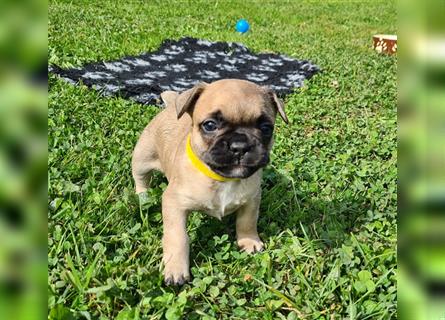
<point>233,123</point>
<point>235,149</point>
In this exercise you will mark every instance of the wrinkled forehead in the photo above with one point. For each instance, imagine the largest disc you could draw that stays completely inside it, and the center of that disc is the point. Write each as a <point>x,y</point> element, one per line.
<point>234,107</point>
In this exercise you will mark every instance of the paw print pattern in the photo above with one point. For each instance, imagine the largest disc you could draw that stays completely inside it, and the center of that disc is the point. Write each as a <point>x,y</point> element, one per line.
<point>179,65</point>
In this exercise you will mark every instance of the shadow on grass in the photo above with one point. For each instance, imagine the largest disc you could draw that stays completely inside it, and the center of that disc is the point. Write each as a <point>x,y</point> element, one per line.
<point>286,207</point>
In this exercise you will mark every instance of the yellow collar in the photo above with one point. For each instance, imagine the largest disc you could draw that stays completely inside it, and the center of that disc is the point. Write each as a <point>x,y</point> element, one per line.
<point>201,166</point>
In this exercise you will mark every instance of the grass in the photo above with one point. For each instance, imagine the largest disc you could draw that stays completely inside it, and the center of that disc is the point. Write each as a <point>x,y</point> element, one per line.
<point>328,213</point>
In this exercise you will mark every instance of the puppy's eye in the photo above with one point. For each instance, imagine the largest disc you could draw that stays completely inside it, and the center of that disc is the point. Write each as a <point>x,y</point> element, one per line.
<point>266,129</point>
<point>209,126</point>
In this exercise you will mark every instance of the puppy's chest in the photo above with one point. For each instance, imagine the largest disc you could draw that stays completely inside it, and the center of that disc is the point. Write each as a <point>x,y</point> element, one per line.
<point>228,197</point>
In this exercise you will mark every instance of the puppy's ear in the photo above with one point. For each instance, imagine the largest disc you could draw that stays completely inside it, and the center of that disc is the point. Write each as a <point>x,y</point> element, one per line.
<point>169,97</point>
<point>185,102</point>
<point>277,102</point>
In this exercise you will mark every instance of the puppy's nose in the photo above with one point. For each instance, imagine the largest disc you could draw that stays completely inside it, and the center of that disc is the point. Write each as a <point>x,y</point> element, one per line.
<point>239,146</point>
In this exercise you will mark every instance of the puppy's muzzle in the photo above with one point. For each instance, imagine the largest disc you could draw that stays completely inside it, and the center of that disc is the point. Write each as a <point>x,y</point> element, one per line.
<point>240,145</point>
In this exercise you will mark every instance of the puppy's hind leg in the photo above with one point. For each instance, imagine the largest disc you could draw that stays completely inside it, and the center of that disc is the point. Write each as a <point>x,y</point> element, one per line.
<point>145,159</point>
<point>141,175</point>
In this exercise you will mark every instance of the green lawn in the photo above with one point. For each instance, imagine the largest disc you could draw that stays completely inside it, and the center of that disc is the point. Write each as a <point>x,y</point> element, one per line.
<point>328,214</point>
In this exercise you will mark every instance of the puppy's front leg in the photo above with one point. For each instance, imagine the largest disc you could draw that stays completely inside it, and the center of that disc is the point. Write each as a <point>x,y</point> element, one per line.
<point>175,241</point>
<point>246,226</point>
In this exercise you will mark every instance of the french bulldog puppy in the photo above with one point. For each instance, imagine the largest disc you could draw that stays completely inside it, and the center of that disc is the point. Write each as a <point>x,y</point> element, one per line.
<point>211,142</point>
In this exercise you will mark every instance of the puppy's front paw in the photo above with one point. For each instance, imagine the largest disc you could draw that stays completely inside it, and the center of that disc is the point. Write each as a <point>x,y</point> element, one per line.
<point>176,274</point>
<point>250,245</point>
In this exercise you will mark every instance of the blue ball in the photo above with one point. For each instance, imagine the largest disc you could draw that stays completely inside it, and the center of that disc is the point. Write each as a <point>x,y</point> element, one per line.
<point>242,26</point>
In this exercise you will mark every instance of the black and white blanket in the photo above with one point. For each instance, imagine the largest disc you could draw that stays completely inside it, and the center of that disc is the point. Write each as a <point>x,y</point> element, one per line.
<point>179,65</point>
